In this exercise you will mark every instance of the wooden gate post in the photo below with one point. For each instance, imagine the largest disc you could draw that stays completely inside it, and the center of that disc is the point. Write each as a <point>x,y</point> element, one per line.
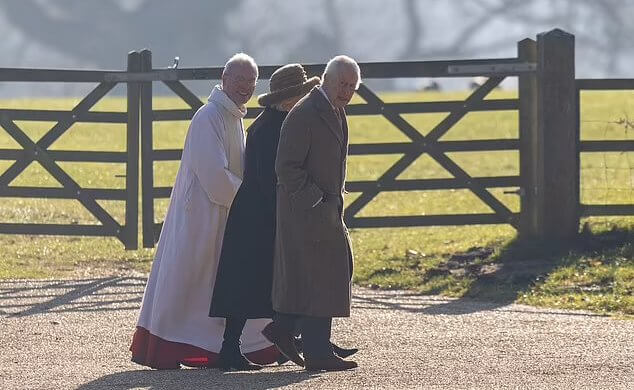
<point>131,232</point>
<point>147,157</point>
<point>530,161</point>
<point>557,137</point>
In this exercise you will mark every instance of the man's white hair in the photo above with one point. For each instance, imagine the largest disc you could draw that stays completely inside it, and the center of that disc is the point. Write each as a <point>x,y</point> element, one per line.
<point>335,66</point>
<point>240,59</point>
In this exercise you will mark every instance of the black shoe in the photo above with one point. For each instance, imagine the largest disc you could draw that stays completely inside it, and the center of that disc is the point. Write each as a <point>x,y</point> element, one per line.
<point>299,346</point>
<point>284,342</point>
<point>330,363</point>
<point>232,358</point>
<point>337,350</point>
<point>343,352</point>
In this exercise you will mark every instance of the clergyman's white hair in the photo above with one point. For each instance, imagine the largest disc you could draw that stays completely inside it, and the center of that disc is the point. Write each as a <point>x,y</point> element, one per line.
<point>240,59</point>
<point>336,64</point>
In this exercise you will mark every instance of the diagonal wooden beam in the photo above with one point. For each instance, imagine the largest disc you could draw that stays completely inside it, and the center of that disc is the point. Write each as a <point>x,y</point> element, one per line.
<point>41,155</point>
<point>184,93</point>
<point>56,131</point>
<point>82,107</point>
<point>428,145</point>
<point>404,126</point>
<point>471,101</point>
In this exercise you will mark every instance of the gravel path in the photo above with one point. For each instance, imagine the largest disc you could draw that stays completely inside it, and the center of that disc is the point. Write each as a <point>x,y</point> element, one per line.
<point>66,334</point>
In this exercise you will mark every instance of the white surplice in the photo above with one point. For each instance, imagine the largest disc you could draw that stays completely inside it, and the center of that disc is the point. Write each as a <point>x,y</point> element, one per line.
<point>177,297</point>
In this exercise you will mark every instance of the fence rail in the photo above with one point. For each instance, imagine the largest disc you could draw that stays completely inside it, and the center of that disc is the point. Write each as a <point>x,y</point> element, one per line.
<point>548,108</point>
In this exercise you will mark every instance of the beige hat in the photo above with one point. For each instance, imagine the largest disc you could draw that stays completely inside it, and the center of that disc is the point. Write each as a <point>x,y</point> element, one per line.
<point>287,82</point>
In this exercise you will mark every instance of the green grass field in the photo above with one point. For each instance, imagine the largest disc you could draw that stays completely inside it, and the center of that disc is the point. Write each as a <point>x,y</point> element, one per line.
<point>599,277</point>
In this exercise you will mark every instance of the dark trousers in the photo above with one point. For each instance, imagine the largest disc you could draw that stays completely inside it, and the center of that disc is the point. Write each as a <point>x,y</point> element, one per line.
<point>315,332</point>
<point>233,331</point>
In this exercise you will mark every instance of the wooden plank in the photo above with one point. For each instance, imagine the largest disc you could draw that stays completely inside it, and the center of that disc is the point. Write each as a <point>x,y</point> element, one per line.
<point>477,189</point>
<point>161,192</point>
<point>61,193</point>
<point>186,115</point>
<point>133,91</point>
<point>432,107</point>
<point>54,229</point>
<point>389,175</point>
<point>52,135</point>
<point>607,210</point>
<point>68,155</point>
<point>365,109</point>
<point>369,70</point>
<point>390,148</point>
<point>15,169</point>
<point>404,185</point>
<point>477,96</point>
<point>184,93</point>
<point>102,117</point>
<point>35,115</point>
<point>56,75</point>
<point>607,146</point>
<point>399,166</point>
<point>81,108</point>
<point>431,184</point>
<point>147,155</point>
<point>373,100</point>
<point>60,175</point>
<point>172,115</point>
<point>605,84</point>
<point>56,116</point>
<point>85,156</point>
<point>531,203</point>
<point>12,154</point>
<point>477,145</point>
<point>557,127</point>
<point>167,154</point>
<point>425,220</point>
<point>444,146</point>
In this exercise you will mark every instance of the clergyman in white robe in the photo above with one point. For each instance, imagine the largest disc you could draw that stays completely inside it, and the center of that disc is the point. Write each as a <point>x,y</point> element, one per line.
<point>173,326</point>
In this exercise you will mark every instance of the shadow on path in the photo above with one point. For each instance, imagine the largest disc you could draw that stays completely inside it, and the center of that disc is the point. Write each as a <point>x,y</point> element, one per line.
<point>197,379</point>
<point>25,298</point>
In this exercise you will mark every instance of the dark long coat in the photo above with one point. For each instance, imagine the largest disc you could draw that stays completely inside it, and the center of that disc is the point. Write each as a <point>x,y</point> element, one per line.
<point>243,281</point>
<point>313,258</point>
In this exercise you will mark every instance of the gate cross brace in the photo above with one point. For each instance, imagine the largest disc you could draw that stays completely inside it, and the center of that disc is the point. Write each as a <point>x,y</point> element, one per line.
<point>39,151</point>
<point>428,144</point>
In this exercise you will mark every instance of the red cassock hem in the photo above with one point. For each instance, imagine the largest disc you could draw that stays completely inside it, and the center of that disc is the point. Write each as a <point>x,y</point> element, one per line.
<point>155,352</point>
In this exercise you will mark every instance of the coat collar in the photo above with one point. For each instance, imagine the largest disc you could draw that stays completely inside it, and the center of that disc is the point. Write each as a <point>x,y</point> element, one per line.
<point>326,111</point>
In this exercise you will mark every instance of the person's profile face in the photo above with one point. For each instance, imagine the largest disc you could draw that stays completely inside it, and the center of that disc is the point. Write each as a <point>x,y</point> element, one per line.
<point>340,91</point>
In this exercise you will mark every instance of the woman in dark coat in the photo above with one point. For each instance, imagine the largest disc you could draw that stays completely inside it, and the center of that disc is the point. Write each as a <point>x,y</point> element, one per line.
<point>243,283</point>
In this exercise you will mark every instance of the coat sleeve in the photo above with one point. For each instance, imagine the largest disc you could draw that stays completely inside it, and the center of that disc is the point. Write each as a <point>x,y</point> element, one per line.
<point>209,161</point>
<point>289,165</point>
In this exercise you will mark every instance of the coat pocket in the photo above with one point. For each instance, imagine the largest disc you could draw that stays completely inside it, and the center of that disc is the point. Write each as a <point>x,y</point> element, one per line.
<point>306,198</point>
<point>322,222</point>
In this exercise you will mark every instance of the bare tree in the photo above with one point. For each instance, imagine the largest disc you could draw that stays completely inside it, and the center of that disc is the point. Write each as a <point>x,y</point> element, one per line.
<point>102,31</point>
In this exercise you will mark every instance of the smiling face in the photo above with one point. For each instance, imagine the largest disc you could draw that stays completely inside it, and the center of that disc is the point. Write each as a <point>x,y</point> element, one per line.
<point>238,82</point>
<point>340,89</point>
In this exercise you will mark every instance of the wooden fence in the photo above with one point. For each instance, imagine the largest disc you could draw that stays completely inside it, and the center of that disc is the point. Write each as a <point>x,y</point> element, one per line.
<point>548,143</point>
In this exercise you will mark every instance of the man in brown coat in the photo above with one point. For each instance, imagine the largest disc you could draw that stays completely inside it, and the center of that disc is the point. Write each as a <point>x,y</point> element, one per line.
<point>312,267</point>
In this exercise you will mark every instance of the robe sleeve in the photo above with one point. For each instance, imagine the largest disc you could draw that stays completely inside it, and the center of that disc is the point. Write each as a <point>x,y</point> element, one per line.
<point>209,159</point>
<point>291,172</point>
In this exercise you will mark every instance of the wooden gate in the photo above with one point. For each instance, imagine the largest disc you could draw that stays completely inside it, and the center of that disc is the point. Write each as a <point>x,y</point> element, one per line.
<point>39,151</point>
<point>496,69</point>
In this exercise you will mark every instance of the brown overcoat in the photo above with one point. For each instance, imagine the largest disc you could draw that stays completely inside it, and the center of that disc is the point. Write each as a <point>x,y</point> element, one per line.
<point>312,266</point>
